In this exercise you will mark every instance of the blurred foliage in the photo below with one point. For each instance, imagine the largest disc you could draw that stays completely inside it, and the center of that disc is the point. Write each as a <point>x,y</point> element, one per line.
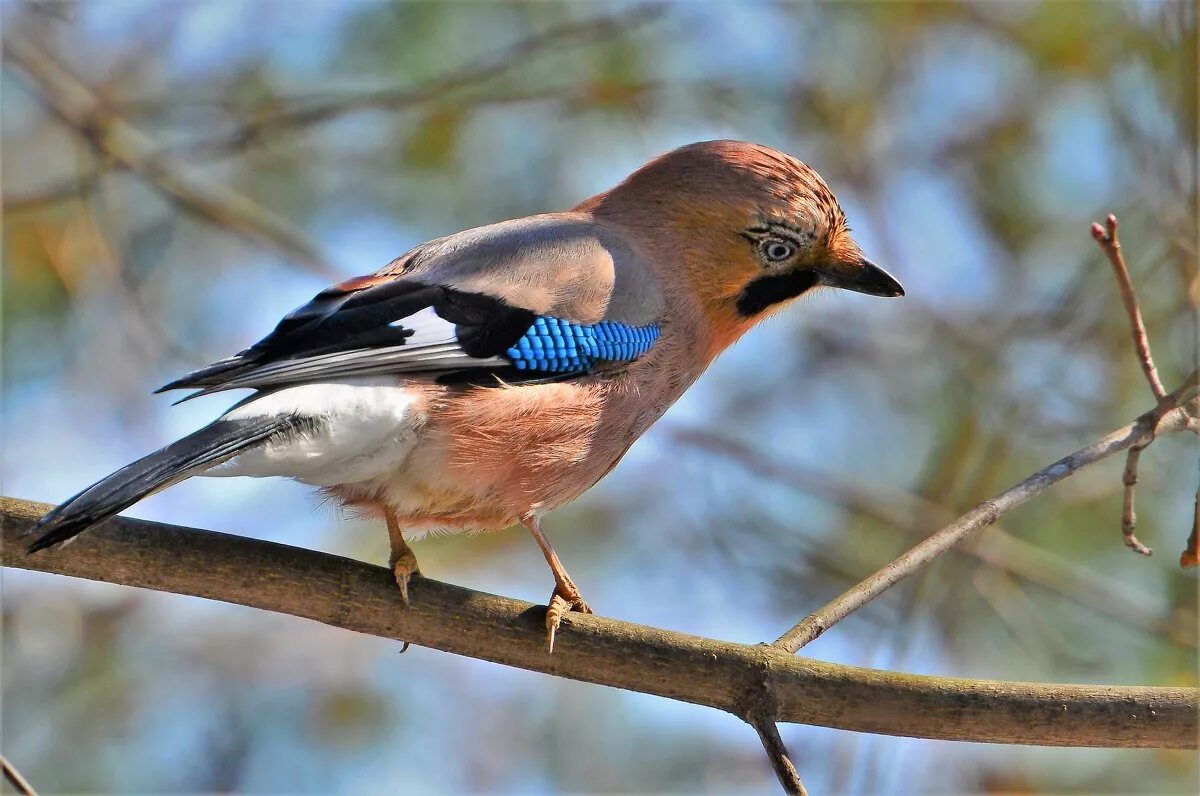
<point>971,145</point>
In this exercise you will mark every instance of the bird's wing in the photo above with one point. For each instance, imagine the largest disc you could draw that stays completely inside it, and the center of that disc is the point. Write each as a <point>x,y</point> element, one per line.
<point>546,296</point>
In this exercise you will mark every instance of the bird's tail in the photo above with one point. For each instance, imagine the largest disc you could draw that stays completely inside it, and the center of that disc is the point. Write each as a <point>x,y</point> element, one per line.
<point>211,445</point>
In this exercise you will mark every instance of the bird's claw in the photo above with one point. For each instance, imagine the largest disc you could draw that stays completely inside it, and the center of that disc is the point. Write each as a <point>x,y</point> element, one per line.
<point>404,567</point>
<point>562,601</point>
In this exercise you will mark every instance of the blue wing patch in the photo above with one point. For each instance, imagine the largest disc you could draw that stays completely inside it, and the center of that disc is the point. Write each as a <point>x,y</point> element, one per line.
<point>553,345</point>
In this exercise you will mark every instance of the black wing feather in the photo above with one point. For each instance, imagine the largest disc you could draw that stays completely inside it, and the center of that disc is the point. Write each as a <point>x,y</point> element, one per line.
<point>351,318</point>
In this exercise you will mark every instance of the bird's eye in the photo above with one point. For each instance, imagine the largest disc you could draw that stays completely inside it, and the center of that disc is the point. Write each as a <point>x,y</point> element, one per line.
<point>776,251</point>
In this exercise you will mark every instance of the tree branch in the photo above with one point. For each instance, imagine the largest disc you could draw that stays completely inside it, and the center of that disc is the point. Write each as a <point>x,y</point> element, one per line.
<point>1129,480</point>
<point>15,779</point>
<point>913,515</point>
<point>746,680</point>
<point>1136,433</point>
<point>781,762</point>
<point>1106,237</point>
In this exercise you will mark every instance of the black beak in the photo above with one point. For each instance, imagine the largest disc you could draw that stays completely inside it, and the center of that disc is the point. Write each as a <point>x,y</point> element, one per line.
<point>862,277</point>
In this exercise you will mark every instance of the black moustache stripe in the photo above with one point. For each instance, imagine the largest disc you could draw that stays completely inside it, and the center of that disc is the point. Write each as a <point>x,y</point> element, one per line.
<point>768,290</point>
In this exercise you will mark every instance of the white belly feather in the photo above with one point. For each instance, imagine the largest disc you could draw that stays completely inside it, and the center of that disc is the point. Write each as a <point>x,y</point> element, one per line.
<point>363,430</point>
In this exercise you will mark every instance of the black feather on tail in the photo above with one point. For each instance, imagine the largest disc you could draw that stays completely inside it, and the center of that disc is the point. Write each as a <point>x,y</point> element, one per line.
<point>211,445</point>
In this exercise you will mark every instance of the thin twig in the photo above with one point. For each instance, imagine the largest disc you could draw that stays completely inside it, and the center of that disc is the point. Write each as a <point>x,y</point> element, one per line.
<point>1128,514</point>
<point>360,597</point>
<point>1107,239</point>
<point>980,517</point>
<point>781,762</point>
<point>1130,477</point>
<point>15,779</point>
<point>914,515</point>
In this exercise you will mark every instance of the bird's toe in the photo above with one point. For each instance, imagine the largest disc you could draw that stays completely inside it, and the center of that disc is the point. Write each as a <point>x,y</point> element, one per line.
<point>404,568</point>
<point>562,603</point>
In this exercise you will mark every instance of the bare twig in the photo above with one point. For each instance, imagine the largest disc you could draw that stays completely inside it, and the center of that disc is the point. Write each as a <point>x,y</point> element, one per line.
<point>1137,432</point>
<point>719,674</point>
<point>914,515</point>
<point>115,139</point>
<point>815,624</point>
<point>15,779</point>
<point>1128,514</point>
<point>1106,237</point>
<point>781,762</point>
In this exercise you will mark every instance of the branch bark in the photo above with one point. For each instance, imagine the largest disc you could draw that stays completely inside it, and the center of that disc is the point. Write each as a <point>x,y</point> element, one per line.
<point>746,680</point>
<point>1139,432</point>
<point>781,761</point>
<point>14,778</point>
<point>914,515</point>
<point>1106,237</point>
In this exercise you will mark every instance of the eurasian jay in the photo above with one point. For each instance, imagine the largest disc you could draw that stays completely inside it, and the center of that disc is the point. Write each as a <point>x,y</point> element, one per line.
<point>487,377</point>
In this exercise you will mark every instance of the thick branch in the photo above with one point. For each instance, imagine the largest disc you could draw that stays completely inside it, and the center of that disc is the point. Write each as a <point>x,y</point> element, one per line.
<point>1139,432</point>
<point>747,680</point>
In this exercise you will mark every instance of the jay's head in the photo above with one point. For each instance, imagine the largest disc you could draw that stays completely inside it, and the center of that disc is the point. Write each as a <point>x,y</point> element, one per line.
<point>753,228</point>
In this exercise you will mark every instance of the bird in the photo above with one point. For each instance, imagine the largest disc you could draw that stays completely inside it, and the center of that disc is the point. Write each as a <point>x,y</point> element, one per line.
<point>484,378</point>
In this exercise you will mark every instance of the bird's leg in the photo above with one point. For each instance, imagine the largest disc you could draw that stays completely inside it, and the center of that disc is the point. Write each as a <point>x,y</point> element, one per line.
<point>402,560</point>
<point>566,596</point>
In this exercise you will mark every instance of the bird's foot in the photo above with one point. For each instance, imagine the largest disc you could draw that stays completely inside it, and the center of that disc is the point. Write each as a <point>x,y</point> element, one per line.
<point>404,566</point>
<point>566,598</point>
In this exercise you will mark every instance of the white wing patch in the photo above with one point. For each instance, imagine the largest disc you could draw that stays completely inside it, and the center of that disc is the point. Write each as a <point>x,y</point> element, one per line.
<point>428,329</point>
<point>363,429</point>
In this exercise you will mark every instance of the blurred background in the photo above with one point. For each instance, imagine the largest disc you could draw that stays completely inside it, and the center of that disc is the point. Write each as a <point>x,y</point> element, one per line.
<point>176,176</point>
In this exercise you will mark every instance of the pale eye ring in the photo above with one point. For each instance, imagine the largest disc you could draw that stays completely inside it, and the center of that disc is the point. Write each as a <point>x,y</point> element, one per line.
<point>775,250</point>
